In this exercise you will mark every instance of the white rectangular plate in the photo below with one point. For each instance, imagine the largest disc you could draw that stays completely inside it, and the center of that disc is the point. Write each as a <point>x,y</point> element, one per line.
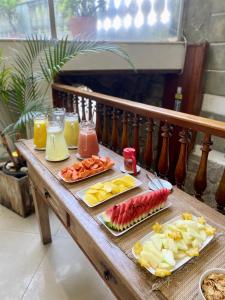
<point>81,193</point>
<point>73,181</point>
<point>119,233</point>
<point>182,261</point>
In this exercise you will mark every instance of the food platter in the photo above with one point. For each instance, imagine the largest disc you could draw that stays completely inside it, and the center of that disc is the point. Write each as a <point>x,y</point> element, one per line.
<point>119,233</point>
<point>85,169</point>
<point>181,262</point>
<point>81,193</point>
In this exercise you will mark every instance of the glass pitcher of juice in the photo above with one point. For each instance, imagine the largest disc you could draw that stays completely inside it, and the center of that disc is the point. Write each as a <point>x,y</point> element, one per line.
<point>40,132</point>
<point>88,141</point>
<point>58,115</point>
<point>71,130</point>
<point>56,148</point>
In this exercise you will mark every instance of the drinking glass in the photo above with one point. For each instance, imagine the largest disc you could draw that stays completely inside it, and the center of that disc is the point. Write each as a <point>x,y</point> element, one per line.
<point>40,131</point>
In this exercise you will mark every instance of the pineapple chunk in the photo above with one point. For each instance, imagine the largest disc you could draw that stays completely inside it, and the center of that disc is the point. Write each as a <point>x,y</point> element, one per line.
<point>91,199</point>
<point>138,248</point>
<point>162,272</point>
<point>157,227</point>
<point>187,216</point>
<point>175,235</point>
<point>97,186</point>
<point>192,252</point>
<point>201,220</point>
<point>144,263</point>
<point>210,230</point>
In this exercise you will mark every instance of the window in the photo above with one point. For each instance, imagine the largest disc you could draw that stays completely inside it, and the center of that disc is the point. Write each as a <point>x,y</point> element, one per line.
<point>21,18</point>
<point>120,20</point>
<point>111,20</point>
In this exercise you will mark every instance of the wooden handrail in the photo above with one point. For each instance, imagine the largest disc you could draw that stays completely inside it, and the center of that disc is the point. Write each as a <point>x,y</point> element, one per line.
<point>121,123</point>
<point>196,123</point>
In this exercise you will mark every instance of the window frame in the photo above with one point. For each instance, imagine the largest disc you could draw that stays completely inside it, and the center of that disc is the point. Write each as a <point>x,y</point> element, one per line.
<point>53,27</point>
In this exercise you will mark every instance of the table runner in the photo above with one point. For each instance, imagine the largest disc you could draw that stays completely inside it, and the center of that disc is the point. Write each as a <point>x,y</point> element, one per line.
<point>183,284</point>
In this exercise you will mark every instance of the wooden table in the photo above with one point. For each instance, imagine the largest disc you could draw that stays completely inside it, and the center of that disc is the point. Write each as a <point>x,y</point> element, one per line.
<point>111,256</point>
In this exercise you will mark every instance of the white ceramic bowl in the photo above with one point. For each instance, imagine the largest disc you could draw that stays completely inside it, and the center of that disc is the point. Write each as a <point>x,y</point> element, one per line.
<point>204,275</point>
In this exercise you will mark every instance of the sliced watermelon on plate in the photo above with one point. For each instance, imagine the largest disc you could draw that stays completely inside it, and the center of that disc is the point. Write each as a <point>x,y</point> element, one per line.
<point>125,214</point>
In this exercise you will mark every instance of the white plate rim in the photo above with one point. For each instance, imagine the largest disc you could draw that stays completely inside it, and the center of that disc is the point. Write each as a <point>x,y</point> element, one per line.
<point>138,184</point>
<point>65,158</point>
<point>119,233</point>
<point>123,170</point>
<point>150,185</point>
<point>183,260</point>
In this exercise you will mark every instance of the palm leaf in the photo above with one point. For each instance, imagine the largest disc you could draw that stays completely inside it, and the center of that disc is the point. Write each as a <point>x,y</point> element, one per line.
<point>39,61</point>
<point>60,52</point>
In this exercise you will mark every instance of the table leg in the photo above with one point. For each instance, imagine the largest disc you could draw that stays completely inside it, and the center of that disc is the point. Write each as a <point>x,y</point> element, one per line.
<point>41,211</point>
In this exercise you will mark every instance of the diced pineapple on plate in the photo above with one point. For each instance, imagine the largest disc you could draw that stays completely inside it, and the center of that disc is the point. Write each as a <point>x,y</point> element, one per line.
<point>104,190</point>
<point>172,244</point>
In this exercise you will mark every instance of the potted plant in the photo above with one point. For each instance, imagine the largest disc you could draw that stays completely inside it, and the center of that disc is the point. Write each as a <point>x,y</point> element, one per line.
<point>82,15</point>
<point>23,95</point>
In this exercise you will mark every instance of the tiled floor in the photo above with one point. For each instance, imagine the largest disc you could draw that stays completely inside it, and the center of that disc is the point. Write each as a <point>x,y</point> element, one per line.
<point>31,271</point>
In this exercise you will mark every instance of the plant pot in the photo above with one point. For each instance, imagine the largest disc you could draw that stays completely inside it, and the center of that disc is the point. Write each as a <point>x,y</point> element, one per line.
<point>15,192</point>
<point>17,174</point>
<point>83,26</point>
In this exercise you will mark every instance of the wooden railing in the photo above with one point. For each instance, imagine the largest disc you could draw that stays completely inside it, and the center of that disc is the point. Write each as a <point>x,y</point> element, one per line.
<point>150,130</point>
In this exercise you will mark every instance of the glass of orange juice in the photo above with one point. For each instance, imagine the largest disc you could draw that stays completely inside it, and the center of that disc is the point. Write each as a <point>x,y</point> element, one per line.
<point>71,130</point>
<point>40,131</point>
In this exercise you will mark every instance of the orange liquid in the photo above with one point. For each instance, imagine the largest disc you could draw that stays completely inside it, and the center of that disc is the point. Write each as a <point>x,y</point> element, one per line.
<point>40,134</point>
<point>88,144</point>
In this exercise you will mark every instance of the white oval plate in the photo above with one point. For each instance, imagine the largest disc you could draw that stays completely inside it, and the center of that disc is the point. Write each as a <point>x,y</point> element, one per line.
<point>159,184</point>
<point>119,233</point>
<point>81,193</point>
<point>180,262</point>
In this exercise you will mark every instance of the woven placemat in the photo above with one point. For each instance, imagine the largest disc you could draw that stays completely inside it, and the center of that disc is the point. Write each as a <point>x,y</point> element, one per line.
<point>183,284</point>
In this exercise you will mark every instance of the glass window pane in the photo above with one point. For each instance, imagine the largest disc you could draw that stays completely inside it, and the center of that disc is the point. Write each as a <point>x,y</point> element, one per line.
<point>120,20</point>
<point>19,18</point>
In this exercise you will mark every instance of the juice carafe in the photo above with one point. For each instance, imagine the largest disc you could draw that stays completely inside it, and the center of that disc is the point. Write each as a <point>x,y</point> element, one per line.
<point>71,130</point>
<point>58,115</point>
<point>87,142</point>
<point>40,132</point>
<point>56,148</point>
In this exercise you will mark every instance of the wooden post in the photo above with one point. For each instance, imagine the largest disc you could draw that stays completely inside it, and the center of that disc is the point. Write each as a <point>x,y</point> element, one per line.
<point>148,153</point>
<point>163,165</point>
<point>105,133</point>
<point>41,210</point>
<point>136,135</point>
<point>98,122</point>
<point>124,140</point>
<point>90,104</point>
<point>220,194</point>
<point>114,131</point>
<point>200,182</point>
<point>83,104</point>
<point>181,167</point>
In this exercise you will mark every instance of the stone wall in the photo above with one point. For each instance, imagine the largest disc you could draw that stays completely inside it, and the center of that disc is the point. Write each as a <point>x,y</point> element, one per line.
<point>204,20</point>
<point>214,174</point>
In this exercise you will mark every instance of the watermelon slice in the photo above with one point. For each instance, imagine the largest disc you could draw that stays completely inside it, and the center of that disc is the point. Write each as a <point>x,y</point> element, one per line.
<point>125,214</point>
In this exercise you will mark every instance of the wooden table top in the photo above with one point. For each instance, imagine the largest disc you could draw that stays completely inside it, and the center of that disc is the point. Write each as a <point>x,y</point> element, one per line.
<point>117,249</point>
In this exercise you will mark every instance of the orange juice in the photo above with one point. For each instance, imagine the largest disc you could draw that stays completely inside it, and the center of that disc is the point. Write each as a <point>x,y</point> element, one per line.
<point>40,132</point>
<point>88,141</point>
<point>71,130</point>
